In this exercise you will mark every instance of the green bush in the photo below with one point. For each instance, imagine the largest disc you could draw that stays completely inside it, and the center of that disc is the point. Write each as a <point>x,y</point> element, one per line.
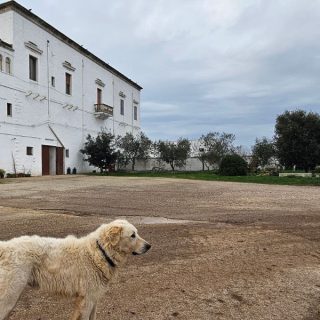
<point>2,173</point>
<point>233,165</point>
<point>18,175</point>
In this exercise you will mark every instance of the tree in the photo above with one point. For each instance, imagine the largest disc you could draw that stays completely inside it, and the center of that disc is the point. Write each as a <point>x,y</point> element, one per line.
<point>297,138</point>
<point>233,165</point>
<point>203,156</point>
<point>100,151</point>
<point>133,148</point>
<point>263,151</point>
<point>215,146</point>
<point>242,151</point>
<point>174,153</point>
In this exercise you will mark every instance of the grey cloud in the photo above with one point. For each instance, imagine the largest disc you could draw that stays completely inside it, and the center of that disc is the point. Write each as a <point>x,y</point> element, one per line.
<point>228,65</point>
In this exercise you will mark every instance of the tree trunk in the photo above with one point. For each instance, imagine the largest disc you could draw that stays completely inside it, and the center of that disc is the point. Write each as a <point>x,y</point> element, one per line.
<point>133,164</point>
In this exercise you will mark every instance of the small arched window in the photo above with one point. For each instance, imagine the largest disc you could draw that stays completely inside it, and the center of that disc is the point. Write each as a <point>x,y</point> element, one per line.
<point>0,62</point>
<point>8,65</point>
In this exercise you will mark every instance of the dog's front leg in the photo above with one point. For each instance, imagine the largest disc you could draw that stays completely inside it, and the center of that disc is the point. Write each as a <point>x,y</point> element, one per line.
<point>84,309</point>
<point>93,312</point>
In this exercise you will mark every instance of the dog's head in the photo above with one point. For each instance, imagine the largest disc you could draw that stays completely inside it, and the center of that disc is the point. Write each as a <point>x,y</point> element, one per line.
<point>123,237</point>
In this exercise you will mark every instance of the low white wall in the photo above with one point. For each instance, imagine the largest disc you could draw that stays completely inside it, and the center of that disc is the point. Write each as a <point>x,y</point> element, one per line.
<point>192,164</point>
<point>300,174</point>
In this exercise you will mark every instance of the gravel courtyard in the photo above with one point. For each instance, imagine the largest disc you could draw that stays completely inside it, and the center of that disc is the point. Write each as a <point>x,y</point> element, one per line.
<point>219,250</point>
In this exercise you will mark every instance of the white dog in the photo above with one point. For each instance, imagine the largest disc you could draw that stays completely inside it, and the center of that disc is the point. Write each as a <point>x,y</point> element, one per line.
<point>74,267</point>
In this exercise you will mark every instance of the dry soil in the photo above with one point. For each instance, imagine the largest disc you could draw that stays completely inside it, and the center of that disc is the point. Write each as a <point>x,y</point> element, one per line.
<point>220,250</point>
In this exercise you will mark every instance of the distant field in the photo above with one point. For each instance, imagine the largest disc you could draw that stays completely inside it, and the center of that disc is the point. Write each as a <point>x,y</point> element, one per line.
<point>209,176</point>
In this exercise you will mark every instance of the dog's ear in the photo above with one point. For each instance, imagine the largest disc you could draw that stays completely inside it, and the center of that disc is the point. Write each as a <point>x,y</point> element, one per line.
<point>113,235</point>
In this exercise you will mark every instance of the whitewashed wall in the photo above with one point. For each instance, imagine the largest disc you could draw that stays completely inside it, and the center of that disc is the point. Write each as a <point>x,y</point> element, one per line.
<point>70,116</point>
<point>192,164</point>
<point>6,30</point>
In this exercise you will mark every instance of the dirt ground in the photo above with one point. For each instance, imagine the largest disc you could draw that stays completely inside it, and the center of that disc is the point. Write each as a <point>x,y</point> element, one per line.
<point>219,250</point>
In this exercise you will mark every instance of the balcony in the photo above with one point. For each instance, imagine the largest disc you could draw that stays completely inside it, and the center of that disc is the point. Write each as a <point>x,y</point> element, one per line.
<point>102,111</point>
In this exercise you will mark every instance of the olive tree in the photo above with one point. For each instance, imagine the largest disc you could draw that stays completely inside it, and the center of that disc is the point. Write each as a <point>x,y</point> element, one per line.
<point>174,153</point>
<point>133,148</point>
<point>214,146</point>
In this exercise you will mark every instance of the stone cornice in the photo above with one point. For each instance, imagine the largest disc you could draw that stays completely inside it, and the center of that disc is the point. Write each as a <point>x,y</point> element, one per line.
<point>68,66</point>
<point>6,45</point>
<point>33,47</point>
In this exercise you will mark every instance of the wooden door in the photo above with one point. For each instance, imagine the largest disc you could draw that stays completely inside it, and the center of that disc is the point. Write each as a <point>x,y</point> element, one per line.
<point>59,160</point>
<point>45,161</point>
<point>99,96</point>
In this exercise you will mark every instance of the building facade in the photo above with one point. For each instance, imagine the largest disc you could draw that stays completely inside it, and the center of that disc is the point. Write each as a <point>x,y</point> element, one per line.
<point>53,93</point>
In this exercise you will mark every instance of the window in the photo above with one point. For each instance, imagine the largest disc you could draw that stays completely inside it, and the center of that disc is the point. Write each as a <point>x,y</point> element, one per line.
<point>99,96</point>
<point>29,151</point>
<point>8,65</point>
<point>67,153</point>
<point>135,113</point>
<point>9,109</point>
<point>122,106</point>
<point>33,68</point>
<point>53,81</point>
<point>0,62</point>
<point>68,83</point>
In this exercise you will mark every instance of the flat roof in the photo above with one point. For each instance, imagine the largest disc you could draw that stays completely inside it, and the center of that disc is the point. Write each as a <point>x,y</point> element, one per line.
<point>13,5</point>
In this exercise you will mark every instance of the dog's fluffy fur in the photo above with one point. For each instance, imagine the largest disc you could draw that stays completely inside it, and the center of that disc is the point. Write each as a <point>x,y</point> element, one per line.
<point>74,267</point>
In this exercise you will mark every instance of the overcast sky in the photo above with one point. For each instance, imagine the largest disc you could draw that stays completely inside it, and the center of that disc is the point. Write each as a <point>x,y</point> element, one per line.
<point>205,65</point>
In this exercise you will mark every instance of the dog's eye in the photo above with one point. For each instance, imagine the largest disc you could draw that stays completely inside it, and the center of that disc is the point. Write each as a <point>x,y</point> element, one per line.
<point>133,235</point>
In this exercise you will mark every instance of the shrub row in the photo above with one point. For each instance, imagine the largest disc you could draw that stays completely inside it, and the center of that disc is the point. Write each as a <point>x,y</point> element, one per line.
<point>18,175</point>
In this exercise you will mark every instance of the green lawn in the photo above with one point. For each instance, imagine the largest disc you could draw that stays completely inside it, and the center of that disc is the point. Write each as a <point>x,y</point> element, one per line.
<point>299,181</point>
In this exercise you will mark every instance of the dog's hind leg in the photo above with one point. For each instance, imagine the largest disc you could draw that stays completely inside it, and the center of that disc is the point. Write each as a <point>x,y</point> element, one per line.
<point>9,298</point>
<point>93,312</point>
<point>12,283</point>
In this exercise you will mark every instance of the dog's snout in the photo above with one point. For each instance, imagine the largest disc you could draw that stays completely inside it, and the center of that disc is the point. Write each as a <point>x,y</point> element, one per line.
<point>147,246</point>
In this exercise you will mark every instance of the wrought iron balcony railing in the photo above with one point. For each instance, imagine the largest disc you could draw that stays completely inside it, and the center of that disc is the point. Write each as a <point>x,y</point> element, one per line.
<point>103,111</point>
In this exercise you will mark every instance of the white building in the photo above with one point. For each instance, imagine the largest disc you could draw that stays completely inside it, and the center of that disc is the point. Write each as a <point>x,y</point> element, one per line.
<point>53,93</point>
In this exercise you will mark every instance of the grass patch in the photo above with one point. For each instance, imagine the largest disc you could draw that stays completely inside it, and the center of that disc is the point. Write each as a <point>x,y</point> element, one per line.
<point>209,176</point>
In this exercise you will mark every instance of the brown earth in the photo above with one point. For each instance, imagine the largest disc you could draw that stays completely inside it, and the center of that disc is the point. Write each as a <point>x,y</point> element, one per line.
<point>226,251</point>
